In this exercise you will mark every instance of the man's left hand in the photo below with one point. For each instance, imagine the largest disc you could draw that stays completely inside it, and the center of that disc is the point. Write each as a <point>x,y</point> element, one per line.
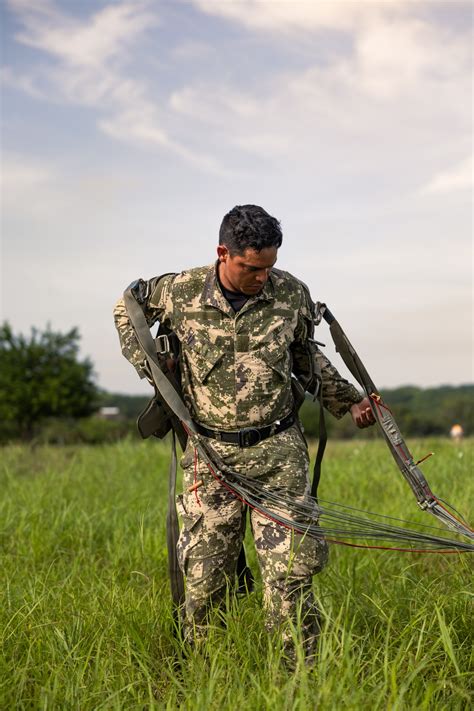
<point>361,413</point>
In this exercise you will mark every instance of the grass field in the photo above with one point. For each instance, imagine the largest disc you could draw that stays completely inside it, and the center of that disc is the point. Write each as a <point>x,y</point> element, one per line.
<point>85,611</point>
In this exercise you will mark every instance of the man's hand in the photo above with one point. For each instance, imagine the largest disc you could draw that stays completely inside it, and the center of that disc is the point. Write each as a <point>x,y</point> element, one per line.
<point>362,414</point>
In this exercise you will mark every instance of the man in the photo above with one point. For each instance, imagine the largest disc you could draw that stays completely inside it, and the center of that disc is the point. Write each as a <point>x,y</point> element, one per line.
<point>244,328</point>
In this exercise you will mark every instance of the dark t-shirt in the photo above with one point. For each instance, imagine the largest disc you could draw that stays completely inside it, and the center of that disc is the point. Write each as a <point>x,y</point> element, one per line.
<point>235,298</point>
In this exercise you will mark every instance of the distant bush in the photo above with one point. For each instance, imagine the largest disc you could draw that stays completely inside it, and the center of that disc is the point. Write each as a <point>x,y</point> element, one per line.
<point>419,412</point>
<point>90,430</point>
<point>130,406</point>
<point>41,376</point>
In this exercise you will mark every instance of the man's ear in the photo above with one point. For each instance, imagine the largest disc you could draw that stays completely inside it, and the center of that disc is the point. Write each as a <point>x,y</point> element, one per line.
<point>222,253</point>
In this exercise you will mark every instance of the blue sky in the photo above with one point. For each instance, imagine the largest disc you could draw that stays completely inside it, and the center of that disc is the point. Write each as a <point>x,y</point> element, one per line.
<point>130,128</point>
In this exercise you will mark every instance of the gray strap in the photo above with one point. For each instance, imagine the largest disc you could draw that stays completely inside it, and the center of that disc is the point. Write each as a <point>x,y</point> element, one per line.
<point>174,402</point>
<point>147,344</point>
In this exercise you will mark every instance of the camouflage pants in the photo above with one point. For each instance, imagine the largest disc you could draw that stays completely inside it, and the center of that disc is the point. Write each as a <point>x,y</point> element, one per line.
<point>213,525</point>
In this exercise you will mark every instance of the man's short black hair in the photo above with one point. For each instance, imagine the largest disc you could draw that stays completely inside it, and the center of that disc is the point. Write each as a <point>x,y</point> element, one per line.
<point>249,227</point>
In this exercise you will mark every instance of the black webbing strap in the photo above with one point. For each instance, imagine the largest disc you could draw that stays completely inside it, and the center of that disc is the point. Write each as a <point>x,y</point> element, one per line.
<point>323,438</point>
<point>172,530</point>
<point>356,367</point>
<point>245,579</point>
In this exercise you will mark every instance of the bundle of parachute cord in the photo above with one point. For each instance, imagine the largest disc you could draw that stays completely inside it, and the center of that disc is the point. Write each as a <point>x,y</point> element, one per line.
<point>337,523</point>
<point>307,515</point>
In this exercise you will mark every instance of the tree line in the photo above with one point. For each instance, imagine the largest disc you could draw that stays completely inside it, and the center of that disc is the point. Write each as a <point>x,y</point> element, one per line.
<point>48,393</point>
<point>419,412</point>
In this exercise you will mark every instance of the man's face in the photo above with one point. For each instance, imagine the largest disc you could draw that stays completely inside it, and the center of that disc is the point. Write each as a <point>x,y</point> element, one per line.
<point>247,272</point>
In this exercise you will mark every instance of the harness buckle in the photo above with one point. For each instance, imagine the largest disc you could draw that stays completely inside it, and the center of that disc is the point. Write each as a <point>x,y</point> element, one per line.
<point>249,437</point>
<point>162,344</point>
<point>319,309</point>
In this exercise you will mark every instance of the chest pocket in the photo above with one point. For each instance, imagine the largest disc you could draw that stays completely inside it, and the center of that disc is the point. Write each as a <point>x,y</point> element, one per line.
<point>274,351</point>
<point>202,359</point>
<point>278,361</point>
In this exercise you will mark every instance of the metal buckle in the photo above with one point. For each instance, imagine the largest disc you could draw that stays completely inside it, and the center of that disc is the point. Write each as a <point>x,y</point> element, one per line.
<point>162,344</point>
<point>319,309</point>
<point>249,437</point>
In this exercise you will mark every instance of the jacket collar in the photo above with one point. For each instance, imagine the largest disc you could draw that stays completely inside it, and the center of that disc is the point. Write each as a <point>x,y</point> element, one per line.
<point>212,294</point>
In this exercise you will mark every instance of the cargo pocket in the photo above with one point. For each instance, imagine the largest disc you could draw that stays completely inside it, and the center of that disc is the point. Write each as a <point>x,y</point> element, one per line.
<point>274,353</point>
<point>321,555</point>
<point>310,555</point>
<point>189,536</point>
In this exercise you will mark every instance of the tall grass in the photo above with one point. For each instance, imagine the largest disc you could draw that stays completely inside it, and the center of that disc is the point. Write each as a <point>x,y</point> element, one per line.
<point>85,612</point>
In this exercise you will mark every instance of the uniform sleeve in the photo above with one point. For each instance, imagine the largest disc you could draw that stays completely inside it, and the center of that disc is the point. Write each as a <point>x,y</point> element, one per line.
<point>154,296</point>
<point>338,393</point>
<point>314,370</point>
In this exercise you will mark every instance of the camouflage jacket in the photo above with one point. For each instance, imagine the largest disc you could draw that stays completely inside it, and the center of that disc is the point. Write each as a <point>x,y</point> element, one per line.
<point>236,367</point>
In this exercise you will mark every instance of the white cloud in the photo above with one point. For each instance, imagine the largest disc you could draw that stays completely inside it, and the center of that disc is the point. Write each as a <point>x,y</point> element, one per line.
<point>284,17</point>
<point>458,177</point>
<point>27,83</point>
<point>193,50</point>
<point>89,56</point>
<point>89,43</point>
<point>215,107</point>
<point>358,97</point>
<point>395,55</point>
<point>141,126</point>
<point>88,53</point>
<point>392,71</point>
<point>392,58</point>
<point>389,103</point>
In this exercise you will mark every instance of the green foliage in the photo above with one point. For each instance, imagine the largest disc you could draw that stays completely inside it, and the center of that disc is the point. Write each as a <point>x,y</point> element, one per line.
<point>85,609</point>
<point>434,410</point>
<point>41,376</point>
<point>419,412</point>
<point>130,406</point>
<point>89,430</point>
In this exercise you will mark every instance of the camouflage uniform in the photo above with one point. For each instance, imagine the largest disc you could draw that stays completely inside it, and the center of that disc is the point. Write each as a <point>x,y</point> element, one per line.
<point>236,372</point>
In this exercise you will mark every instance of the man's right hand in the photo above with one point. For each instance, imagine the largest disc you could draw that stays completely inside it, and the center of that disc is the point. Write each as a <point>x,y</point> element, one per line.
<point>362,415</point>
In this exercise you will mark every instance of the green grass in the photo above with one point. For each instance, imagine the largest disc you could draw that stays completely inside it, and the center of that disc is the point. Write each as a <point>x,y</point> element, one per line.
<point>85,611</point>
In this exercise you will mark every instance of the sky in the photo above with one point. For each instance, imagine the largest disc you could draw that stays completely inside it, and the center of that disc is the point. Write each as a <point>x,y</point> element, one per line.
<point>130,128</point>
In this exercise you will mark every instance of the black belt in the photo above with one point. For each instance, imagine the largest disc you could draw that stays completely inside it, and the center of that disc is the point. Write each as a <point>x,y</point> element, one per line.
<point>249,436</point>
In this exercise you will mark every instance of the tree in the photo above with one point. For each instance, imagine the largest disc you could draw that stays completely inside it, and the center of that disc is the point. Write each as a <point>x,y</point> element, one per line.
<point>41,376</point>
